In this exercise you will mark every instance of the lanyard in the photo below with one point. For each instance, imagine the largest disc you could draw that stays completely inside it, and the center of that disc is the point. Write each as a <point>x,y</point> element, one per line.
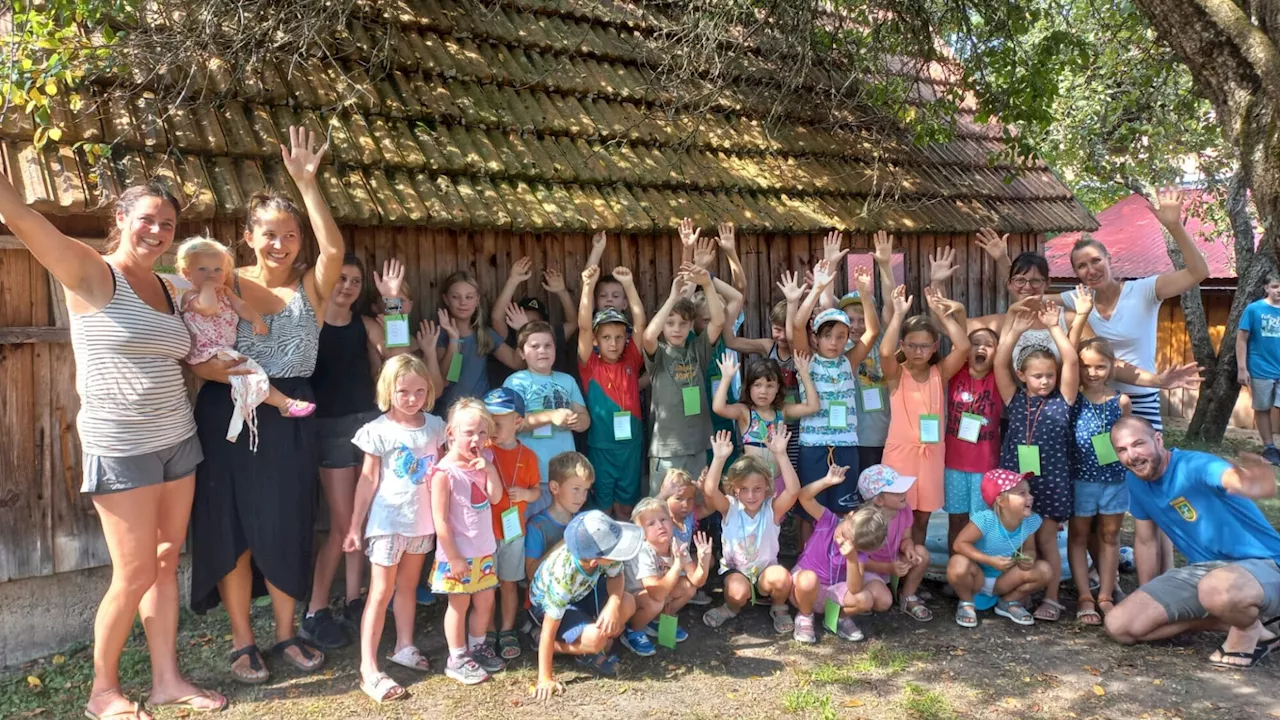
<point>515,474</point>
<point>1033,421</point>
<point>1013,549</point>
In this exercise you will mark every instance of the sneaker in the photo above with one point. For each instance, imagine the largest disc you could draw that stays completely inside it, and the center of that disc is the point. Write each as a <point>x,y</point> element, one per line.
<point>465,670</point>
<point>1271,455</point>
<point>323,630</point>
<point>488,661</point>
<point>352,613</point>
<point>652,631</point>
<point>700,598</point>
<point>804,631</point>
<point>846,629</point>
<point>638,643</point>
<point>425,598</point>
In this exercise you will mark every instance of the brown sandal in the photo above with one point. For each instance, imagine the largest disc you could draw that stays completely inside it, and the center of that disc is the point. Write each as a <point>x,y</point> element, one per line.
<point>313,657</point>
<point>258,671</point>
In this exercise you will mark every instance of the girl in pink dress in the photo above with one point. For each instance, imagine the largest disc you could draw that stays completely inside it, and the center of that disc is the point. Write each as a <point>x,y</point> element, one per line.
<point>211,311</point>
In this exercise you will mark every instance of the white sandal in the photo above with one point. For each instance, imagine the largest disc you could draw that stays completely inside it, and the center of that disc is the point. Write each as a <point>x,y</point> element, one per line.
<point>409,656</point>
<point>383,689</point>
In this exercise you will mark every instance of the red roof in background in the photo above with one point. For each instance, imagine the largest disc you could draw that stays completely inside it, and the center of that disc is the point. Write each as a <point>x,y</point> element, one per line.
<point>1133,236</point>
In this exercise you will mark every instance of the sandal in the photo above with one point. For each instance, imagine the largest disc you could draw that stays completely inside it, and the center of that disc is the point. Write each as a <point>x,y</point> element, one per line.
<point>508,644</point>
<point>1260,651</point>
<point>967,615</point>
<point>409,656</point>
<point>297,409</point>
<point>782,622</point>
<point>601,664</point>
<point>383,689</point>
<point>717,616</point>
<point>312,658</point>
<point>1015,612</point>
<point>189,702</point>
<point>1049,610</point>
<point>258,671</point>
<point>915,607</point>
<point>133,713</point>
<point>1106,610</point>
<point>1087,613</point>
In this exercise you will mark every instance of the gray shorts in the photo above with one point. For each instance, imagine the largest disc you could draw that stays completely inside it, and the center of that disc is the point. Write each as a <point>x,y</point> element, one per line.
<point>335,433</point>
<point>103,475</point>
<point>509,559</point>
<point>658,467</point>
<point>1264,393</point>
<point>1178,591</point>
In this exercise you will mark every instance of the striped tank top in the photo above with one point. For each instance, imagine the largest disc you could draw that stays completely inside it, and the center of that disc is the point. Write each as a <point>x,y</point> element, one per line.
<point>292,342</point>
<point>133,399</point>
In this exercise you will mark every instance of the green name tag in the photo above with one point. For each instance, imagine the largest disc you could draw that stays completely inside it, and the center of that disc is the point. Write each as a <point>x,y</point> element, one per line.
<point>622,426</point>
<point>692,400</point>
<point>872,399</point>
<point>831,616</point>
<point>791,399</point>
<point>1103,449</point>
<point>455,366</point>
<point>1029,459</point>
<point>667,631</point>
<point>930,429</point>
<point>970,427</point>
<point>838,415</point>
<point>397,330</point>
<point>511,524</point>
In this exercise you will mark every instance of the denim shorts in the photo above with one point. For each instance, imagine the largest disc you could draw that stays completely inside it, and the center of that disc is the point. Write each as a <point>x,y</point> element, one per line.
<point>577,617</point>
<point>103,474</point>
<point>1095,498</point>
<point>964,492</point>
<point>1178,590</point>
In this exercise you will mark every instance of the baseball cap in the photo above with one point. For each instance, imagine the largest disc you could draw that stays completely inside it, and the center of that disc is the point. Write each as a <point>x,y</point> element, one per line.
<point>880,479</point>
<point>830,315</point>
<point>504,401</point>
<point>593,534</point>
<point>534,304</point>
<point>609,315</point>
<point>999,481</point>
<point>850,298</point>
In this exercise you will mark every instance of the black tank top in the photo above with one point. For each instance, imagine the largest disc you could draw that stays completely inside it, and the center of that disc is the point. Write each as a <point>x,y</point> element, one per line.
<point>342,382</point>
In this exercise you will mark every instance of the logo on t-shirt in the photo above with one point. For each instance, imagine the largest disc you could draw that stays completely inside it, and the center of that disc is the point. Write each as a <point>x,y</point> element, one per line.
<point>1184,509</point>
<point>1269,326</point>
<point>405,463</point>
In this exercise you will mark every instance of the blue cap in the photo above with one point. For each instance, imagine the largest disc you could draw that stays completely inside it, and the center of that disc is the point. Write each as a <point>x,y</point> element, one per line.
<point>830,315</point>
<point>503,401</point>
<point>593,535</point>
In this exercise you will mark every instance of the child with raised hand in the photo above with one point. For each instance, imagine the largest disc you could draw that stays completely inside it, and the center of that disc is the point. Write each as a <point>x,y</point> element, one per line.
<point>663,577</point>
<point>995,554</point>
<point>555,408</point>
<point>577,614</point>
<point>917,381</point>
<point>677,360</point>
<point>1038,436</point>
<point>401,448</point>
<point>211,312</point>
<point>830,437</point>
<point>679,493</point>
<point>974,409</point>
<point>752,523</point>
<point>1100,490</point>
<point>569,479</point>
<point>517,469</point>
<point>763,407</point>
<point>469,339</point>
<point>899,556</point>
<point>463,486</point>
<point>530,309</point>
<point>610,385</point>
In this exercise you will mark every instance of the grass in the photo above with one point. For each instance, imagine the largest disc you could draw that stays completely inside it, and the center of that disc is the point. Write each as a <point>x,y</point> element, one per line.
<point>879,660</point>
<point>805,700</point>
<point>924,704</point>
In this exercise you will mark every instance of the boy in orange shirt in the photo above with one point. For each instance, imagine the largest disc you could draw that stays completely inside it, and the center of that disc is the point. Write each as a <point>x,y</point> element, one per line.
<point>517,467</point>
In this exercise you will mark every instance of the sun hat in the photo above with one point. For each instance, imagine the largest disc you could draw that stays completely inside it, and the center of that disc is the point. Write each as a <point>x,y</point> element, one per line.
<point>881,479</point>
<point>594,535</point>
<point>999,481</point>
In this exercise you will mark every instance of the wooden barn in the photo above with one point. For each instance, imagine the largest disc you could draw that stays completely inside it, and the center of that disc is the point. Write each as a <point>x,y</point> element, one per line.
<point>496,133</point>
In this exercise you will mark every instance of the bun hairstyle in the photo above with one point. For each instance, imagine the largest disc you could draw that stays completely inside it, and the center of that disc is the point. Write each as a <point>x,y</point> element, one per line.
<point>129,199</point>
<point>767,369</point>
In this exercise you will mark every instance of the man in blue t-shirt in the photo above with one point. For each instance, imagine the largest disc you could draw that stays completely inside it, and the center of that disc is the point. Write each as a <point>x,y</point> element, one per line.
<point>1258,362</point>
<point>1205,505</point>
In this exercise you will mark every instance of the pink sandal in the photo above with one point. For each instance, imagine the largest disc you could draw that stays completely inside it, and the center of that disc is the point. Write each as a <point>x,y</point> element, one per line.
<point>297,409</point>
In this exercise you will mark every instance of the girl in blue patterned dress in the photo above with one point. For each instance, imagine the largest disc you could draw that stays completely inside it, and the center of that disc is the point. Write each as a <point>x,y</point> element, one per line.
<point>1037,440</point>
<point>1099,479</point>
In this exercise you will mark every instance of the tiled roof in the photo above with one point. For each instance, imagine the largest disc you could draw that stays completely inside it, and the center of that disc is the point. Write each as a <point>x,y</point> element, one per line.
<point>535,115</point>
<point>1135,240</point>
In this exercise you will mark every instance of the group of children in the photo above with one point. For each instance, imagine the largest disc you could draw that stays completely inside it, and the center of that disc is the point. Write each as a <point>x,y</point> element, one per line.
<point>870,432</point>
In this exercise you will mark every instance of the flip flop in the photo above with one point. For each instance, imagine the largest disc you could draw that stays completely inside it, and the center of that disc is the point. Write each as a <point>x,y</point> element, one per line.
<point>383,689</point>
<point>1260,651</point>
<point>135,713</point>
<point>255,664</point>
<point>188,703</point>
<point>409,656</point>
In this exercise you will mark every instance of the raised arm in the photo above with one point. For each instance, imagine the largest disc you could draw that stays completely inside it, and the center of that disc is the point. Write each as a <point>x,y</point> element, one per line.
<point>779,438</point>
<point>390,285</point>
<point>951,314</point>
<point>1250,476</point>
<point>721,448</point>
<point>715,306</point>
<point>444,355</point>
<point>1080,323</point>
<point>1168,210</point>
<point>833,251</point>
<point>793,292</point>
<point>520,272</point>
<point>1005,380</point>
<point>996,246</point>
<point>653,331</point>
<point>862,347</point>
<point>942,266</point>
<point>822,280</point>
<point>598,243</point>
<point>302,160</point>
<point>720,404</point>
<point>1069,382</point>
<point>812,402</point>
<point>688,239</point>
<point>553,283</point>
<point>428,338</point>
<point>893,334</point>
<point>623,275</point>
<point>585,314</point>
<point>729,246</point>
<point>809,493</point>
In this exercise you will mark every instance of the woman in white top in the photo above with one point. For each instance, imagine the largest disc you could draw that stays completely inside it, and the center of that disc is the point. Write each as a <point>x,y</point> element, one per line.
<point>136,431</point>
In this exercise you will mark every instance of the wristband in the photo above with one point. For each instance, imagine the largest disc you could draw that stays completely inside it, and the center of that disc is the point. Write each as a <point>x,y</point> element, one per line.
<point>392,305</point>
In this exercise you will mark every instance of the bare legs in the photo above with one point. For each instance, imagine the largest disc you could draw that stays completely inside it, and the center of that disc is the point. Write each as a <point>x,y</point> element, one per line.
<point>236,590</point>
<point>339,486</point>
<point>396,585</point>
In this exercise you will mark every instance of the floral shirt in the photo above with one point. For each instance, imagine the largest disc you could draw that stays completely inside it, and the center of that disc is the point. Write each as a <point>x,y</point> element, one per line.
<point>561,581</point>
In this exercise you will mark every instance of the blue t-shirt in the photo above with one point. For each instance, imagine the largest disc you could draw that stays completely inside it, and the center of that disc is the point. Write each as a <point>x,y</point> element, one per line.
<point>998,541</point>
<point>1205,522</point>
<point>556,391</point>
<point>1262,321</point>
<point>474,379</point>
<point>541,533</point>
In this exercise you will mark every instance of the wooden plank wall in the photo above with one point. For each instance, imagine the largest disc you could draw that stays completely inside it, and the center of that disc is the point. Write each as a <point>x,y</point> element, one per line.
<point>46,527</point>
<point>1174,346</point>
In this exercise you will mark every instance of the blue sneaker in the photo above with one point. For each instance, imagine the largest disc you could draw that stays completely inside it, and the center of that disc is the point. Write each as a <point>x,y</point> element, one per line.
<point>652,631</point>
<point>425,597</point>
<point>638,643</point>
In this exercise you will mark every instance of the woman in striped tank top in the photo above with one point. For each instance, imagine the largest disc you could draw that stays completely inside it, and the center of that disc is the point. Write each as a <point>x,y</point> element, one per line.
<point>137,435</point>
<point>252,518</point>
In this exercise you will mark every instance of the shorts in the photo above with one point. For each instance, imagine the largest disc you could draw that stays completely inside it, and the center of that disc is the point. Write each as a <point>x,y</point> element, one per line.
<point>335,434</point>
<point>658,467</point>
<point>1178,590</point>
<point>964,492</point>
<point>618,469</point>
<point>105,474</point>
<point>1094,498</point>
<point>386,550</point>
<point>1265,394</point>
<point>814,462</point>
<point>577,616</point>
<point>834,593</point>
<point>989,577</point>
<point>509,560</point>
<point>482,577</point>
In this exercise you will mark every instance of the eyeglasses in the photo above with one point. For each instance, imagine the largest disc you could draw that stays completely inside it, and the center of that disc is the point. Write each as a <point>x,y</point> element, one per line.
<point>1021,282</point>
<point>913,347</point>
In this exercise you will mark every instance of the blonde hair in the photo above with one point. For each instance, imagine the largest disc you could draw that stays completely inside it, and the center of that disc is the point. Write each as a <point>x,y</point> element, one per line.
<point>745,467</point>
<point>673,482</point>
<point>570,464</point>
<point>646,506</point>
<point>480,319</point>
<point>394,369</point>
<point>463,406</point>
<point>199,245</point>
<point>866,528</point>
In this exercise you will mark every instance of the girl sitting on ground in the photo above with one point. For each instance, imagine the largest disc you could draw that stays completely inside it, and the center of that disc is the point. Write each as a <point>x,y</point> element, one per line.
<point>663,577</point>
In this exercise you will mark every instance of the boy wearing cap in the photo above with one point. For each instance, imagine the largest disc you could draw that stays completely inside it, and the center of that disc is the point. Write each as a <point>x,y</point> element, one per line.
<point>677,362</point>
<point>508,319</point>
<point>576,613</point>
<point>610,384</point>
<point>899,556</point>
<point>517,468</point>
<point>995,554</point>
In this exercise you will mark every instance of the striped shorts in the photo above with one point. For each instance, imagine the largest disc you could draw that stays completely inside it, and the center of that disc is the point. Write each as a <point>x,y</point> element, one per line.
<point>386,550</point>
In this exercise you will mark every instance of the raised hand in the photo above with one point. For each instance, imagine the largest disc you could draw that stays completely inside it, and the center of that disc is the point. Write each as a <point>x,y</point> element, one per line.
<point>883,247</point>
<point>521,271</point>
<point>302,157</point>
<point>942,265</point>
<point>779,438</point>
<point>823,274</point>
<point>391,282</point>
<point>516,317</point>
<point>599,240</point>
<point>802,359</point>
<point>1187,376</point>
<point>995,245</point>
<point>835,475</point>
<point>1050,314</point>
<point>722,445</point>
<point>728,238</point>
<point>553,281</point>
<point>447,324</point>
<point>688,234</point>
<point>901,301</point>
<point>1257,477</point>
<point>1167,207</point>
<point>1022,320</point>
<point>833,248</point>
<point>728,366</point>
<point>1084,300</point>
<point>702,545</point>
<point>934,298</point>
<point>704,253</point>
<point>862,281</point>
<point>590,275</point>
<point>428,335</point>
<point>624,276</point>
<point>696,274</point>
<point>791,287</point>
